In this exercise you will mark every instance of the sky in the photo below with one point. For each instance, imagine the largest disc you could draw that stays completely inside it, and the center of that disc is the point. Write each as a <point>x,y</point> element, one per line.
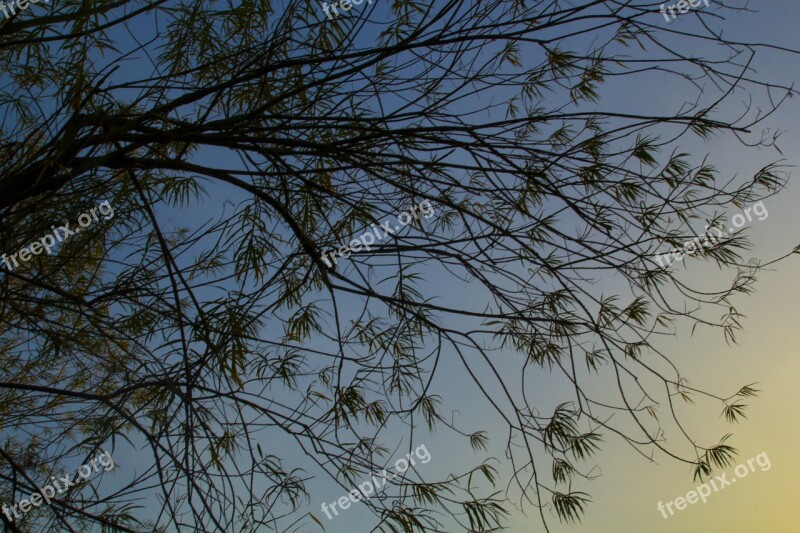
<point>626,494</point>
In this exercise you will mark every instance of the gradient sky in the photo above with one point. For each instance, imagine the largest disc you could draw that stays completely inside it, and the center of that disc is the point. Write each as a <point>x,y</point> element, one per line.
<point>626,495</point>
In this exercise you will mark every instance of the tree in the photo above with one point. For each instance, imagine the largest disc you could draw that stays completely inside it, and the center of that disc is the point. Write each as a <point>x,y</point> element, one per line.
<point>238,143</point>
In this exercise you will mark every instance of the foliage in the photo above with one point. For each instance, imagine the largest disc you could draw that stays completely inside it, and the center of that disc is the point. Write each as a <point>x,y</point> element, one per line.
<point>239,141</point>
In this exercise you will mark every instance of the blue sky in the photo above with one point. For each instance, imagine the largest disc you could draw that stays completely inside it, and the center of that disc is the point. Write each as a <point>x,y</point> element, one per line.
<point>626,494</point>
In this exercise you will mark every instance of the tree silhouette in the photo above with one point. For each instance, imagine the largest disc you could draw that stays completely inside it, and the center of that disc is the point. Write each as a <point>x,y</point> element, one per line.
<point>238,142</point>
